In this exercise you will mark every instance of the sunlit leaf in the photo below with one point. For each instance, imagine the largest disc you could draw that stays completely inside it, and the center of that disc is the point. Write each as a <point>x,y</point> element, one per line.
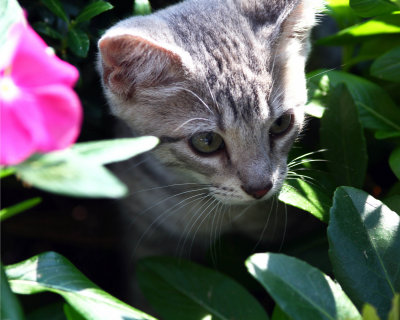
<point>382,25</point>
<point>369,313</point>
<point>52,272</point>
<point>364,245</point>
<point>310,198</point>
<point>394,313</point>
<point>182,290</point>
<point>6,213</point>
<point>301,291</point>
<point>141,7</point>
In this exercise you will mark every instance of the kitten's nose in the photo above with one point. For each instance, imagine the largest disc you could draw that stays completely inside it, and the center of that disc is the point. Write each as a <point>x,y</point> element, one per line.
<point>258,193</point>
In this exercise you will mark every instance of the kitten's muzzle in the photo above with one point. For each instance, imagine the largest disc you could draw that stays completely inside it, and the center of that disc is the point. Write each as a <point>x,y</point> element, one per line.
<point>257,192</point>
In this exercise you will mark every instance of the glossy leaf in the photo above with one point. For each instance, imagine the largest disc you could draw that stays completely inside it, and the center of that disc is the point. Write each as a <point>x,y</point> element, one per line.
<point>179,289</point>
<point>343,138</point>
<point>45,29</point>
<point>71,313</point>
<point>371,8</point>
<point>10,308</point>
<point>376,109</point>
<point>278,314</point>
<point>365,248</point>
<point>6,213</point>
<point>394,162</point>
<point>383,25</point>
<point>10,12</point>
<point>310,198</point>
<point>78,42</point>
<point>92,10</point>
<point>301,291</point>
<point>141,7</point>
<point>387,66</point>
<point>52,272</point>
<point>109,151</point>
<point>56,7</point>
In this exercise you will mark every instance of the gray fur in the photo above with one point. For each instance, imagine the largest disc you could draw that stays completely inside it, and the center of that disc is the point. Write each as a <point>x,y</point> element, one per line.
<point>228,66</point>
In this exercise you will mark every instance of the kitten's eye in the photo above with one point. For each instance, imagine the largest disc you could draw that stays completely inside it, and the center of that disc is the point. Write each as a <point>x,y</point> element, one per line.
<point>282,125</point>
<point>207,142</point>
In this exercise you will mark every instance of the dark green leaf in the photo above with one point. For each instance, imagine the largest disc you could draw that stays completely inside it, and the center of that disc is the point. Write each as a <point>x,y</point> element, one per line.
<point>310,198</point>
<point>10,12</point>
<point>371,8</point>
<point>343,138</point>
<point>369,313</point>
<point>141,7</point>
<point>52,272</point>
<point>109,151</point>
<point>56,7</point>
<point>180,289</point>
<point>387,67</point>
<point>384,25</point>
<point>301,291</point>
<point>376,109</point>
<point>394,313</point>
<point>278,314</point>
<point>365,248</point>
<point>10,306</point>
<point>393,202</point>
<point>71,313</point>
<point>78,42</point>
<point>53,311</point>
<point>45,29</point>
<point>6,213</point>
<point>92,10</point>
<point>394,162</point>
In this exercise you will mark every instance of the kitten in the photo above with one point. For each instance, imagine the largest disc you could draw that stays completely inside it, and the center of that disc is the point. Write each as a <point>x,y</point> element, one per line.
<point>222,84</point>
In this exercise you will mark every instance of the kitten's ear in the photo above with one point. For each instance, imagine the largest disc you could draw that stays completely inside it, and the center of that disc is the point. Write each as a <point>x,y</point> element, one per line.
<point>130,63</point>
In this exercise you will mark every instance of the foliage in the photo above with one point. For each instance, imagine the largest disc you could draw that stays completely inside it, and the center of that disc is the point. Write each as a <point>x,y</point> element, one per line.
<point>358,115</point>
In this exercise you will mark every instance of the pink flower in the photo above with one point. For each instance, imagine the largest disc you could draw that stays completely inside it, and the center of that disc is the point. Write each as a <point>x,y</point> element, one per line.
<point>40,112</point>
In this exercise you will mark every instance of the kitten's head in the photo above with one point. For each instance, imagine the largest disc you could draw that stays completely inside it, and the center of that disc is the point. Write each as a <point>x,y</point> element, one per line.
<point>220,82</point>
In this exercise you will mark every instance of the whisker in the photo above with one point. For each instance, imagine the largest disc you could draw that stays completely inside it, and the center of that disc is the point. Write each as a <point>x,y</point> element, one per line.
<point>171,185</point>
<point>190,120</point>
<point>200,99</point>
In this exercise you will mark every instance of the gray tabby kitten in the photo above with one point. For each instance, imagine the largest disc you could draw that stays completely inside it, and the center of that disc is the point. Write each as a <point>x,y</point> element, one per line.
<point>221,83</point>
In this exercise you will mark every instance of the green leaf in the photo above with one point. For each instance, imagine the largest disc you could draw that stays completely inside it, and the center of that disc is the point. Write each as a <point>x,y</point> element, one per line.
<point>52,272</point>
<point>78,171</point>
<point>10,306</point>
<point>92,10</point>
<point>369,313</point>
<point>300,290</point>
<point>343,138</point>
<point>393,202</point>
<point>71,313</point>
<point>56,7</point>
<point>65,173</point>
<point>141,7</point>
<point>180,289</point>
<point>371,8</point>
<point>394,162</point>
<point>45,29</point>
<point>387,66</point>
<point>310,198</point>
<point>6,213</point>
<point>364,245</point>
<point>78,42</point>
<point>109,151</point>
<point>278,314</point>
<point>376,109</point>
<point>342,13</point>
<point>10,13</point>
<point>394,313</point>
<point>5,172</point>
<point>383,25</point>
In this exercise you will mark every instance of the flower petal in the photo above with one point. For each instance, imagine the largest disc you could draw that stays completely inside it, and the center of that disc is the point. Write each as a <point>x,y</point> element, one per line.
<point>61,116</point>
<point>34,64</point>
